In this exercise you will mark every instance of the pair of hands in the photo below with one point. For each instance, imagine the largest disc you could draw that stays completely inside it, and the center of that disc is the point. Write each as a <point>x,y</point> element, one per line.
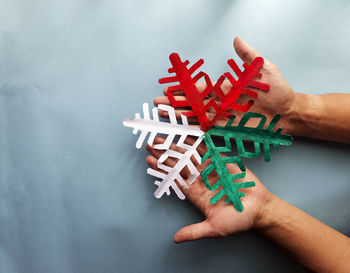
<point>222,219</point>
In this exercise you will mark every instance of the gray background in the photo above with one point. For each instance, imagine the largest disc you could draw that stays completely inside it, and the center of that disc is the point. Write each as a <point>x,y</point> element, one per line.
<point>74,194</point>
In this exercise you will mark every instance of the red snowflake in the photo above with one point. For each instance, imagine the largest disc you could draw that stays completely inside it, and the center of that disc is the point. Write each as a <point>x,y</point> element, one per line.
<point>195,99</point>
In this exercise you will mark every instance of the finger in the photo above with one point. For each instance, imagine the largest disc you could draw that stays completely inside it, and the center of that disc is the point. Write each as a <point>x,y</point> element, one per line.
<point>168,160</point>
<point>245,51</point>
<point>200,87</point>
<point>175,92</point>
<point>198,194</point>
<point>155,152</point>
<point>195,232</point>
<point>153,163</point>
<point>165,100</point>
<point>161,100</point>
<point>171,162</point>
<point>178,112</point>
<point>183,110</point>
<point>202,148</point>
<point>164,114</point>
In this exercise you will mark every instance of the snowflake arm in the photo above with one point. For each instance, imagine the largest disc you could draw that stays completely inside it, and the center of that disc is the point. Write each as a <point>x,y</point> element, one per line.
<point>153,127</point>
<point>257,135</point>
<point>245,81</point>
<point>184,80</point>
<point>173,174</point>
<point>226,179</point>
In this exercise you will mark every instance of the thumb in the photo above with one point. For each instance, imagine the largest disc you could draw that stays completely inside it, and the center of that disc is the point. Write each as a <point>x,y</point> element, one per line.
<point>245,51</point>
<point>194,232</point>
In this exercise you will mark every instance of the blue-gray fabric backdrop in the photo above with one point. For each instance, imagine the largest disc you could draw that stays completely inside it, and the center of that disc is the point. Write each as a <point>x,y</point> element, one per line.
<point>74,193</point>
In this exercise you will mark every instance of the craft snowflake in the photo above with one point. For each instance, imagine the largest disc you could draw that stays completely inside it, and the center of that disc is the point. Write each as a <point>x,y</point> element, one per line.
<point>200,103</point>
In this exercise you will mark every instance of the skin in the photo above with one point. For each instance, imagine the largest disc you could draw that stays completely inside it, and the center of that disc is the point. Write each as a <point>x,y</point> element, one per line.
<point>222,219</point>
<point>312,243</point>
<point>318,116</point>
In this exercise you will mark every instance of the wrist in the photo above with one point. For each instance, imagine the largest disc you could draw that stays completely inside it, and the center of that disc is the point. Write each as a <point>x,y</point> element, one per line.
<point>273,214</point>
<point>265,219</point>
<point>303,117</point>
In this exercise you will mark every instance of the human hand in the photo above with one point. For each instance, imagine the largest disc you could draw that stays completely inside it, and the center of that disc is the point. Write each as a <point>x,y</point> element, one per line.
<point>221,219</point>
<point>279,100</point>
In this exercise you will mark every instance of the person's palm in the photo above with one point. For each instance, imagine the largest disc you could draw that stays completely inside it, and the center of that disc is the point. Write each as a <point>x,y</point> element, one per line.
<point>279,99</point>
<point>221,219</point>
